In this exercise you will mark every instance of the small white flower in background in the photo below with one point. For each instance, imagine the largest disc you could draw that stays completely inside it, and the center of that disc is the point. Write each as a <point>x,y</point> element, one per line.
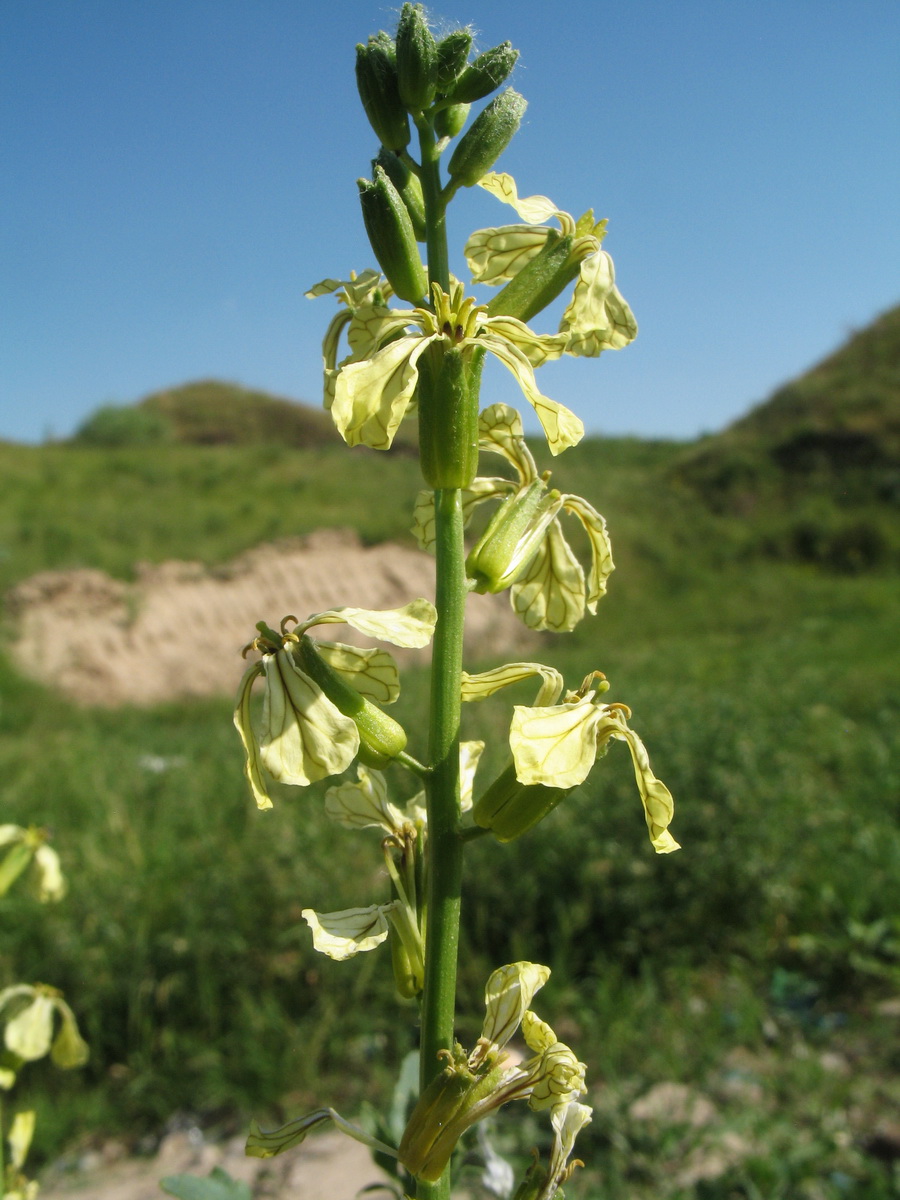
<point>25,853</point>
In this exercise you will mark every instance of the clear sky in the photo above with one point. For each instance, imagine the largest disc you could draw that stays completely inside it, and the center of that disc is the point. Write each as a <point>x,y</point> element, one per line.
<point>175,173</point>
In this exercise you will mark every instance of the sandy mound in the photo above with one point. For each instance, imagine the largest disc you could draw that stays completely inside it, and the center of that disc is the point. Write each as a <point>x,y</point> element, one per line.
<point>178,630</point>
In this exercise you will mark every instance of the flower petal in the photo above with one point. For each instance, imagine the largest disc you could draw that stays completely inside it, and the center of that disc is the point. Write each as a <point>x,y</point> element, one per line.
<point>533,209</point>
<point>372,672</point>
<point>538,348</point>
<point>69,1048</point>
<point>561,427</point>
<point>253,767</point>
<point>30,1031</point>
<point>555,745</point>
<point>507,997</point>
<point>341,935</point>
<point>364,804</point>
<point>499,253</point>
<point>659,807</point>
<point>411,626</point>
<point>597,317</point>
<point>500,430</point>
<point>550,594</point>
<point>305,738</point>
<point>486,683</point>
<point>602,564</point>
<point>50,882</point>
<point>371,397</point>
<point>266,1143</point>
<point>469,757</point>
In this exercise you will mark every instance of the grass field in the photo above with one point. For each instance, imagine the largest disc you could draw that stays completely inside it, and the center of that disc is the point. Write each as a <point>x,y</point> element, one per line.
<point>758,969</point>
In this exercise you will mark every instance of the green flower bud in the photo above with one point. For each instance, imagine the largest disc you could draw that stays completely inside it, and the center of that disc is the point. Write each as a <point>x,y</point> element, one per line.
<point>449,121</point>
<point>512,538</point>
<point>392,236</point>
<point>487,138</point>
<point>509,808</point>
<point>448,418</point>
<point>376,79</point>
<point>379,734</point>
<point>416,59</point>
<point>452,56</point>
<point>484,75</point>
<point>407,184</point>
<point>409,972</point>
<point>540,281</point>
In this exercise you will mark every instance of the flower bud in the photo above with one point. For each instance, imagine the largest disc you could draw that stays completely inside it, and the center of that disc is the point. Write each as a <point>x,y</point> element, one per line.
<point>416,59</point>
<point>379,734</point>
<point>510,808</point>
<point>487,138</point>
<point>449,121</point>
<point>512,538</point>
<point>448,418</point>
<point>452,56</point>
<point>392,236</point>
<point>540,281</point>
<point>376,79</point>
<point>408,187</point>
<point>484,75</point>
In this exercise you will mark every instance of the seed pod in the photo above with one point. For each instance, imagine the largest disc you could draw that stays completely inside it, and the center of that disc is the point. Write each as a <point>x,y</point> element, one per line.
<point>448,418</point>
<point>392,236</point>
<point>376,79</point>
<point>484,75</point>
<point>408,186</point>
<point>452,56</point>
<point>379,734</point>
<point>449,121</point>
<point>539,282</point>
<point>487,138</point>
<point>510,808</point>
<point>416,59</point>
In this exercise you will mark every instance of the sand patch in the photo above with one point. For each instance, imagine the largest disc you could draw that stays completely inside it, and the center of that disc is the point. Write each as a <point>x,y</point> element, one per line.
<point>177,631</point>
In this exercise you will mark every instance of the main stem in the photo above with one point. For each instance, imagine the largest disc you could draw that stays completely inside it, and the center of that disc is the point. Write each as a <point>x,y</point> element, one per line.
<point>444,844</point>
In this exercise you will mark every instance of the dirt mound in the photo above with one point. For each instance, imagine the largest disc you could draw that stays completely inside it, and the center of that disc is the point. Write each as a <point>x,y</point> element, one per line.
<point>177,631</point>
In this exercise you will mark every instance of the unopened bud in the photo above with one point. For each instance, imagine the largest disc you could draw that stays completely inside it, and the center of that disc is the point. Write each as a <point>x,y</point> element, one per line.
<point>416,59</point>
<point>484,75</point>
<point>408,187</point>
<point>487,138</point>
<point>449,121</point>
<point>392,236</point>
<point>452,56</point>
<point>376,79</point>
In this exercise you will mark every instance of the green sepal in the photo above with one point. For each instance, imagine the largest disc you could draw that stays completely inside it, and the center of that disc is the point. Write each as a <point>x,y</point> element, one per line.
<point>491,563</point>
<point>408,188</point>
<point>416,59</point>
<point>484,75</point>
<point>392,236</point>
<point>540,281</point>
<point>487,138</point>
<point>449,121</point>
<point>452,56</point>
<point>448,418</point>
<point>379,733</point>
<point>509,808</point>
<point>376,79</point>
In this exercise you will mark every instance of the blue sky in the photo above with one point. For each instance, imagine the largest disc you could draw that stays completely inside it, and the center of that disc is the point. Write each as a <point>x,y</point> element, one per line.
<point>177,172</point>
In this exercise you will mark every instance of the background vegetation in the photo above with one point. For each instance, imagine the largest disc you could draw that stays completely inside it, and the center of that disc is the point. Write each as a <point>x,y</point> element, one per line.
<point>757,971</point>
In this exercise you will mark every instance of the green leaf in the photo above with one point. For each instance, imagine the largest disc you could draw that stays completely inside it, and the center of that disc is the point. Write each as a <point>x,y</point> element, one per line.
<point>218,1185</point>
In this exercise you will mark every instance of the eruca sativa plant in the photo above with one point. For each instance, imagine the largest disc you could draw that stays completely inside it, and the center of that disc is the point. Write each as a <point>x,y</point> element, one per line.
<point>408,344</point>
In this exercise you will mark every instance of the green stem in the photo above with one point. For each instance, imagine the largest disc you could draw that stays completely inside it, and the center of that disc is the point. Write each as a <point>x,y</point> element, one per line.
<point>435,207</point>
<point>444,843</point>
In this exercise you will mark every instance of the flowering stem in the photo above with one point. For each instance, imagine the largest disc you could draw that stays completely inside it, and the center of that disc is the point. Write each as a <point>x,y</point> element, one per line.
<point>444,843</point>
<point>435,207</point>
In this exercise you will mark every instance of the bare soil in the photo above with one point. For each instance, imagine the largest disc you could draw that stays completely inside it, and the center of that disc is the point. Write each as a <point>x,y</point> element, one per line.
<point>177,631</point>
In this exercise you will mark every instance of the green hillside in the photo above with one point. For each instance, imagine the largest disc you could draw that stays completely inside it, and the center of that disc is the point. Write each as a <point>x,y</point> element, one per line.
<point>816,467</point>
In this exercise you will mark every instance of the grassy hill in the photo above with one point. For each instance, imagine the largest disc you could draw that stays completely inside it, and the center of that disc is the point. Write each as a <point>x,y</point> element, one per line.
<point>757,966</point>
<point>816,467</point>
